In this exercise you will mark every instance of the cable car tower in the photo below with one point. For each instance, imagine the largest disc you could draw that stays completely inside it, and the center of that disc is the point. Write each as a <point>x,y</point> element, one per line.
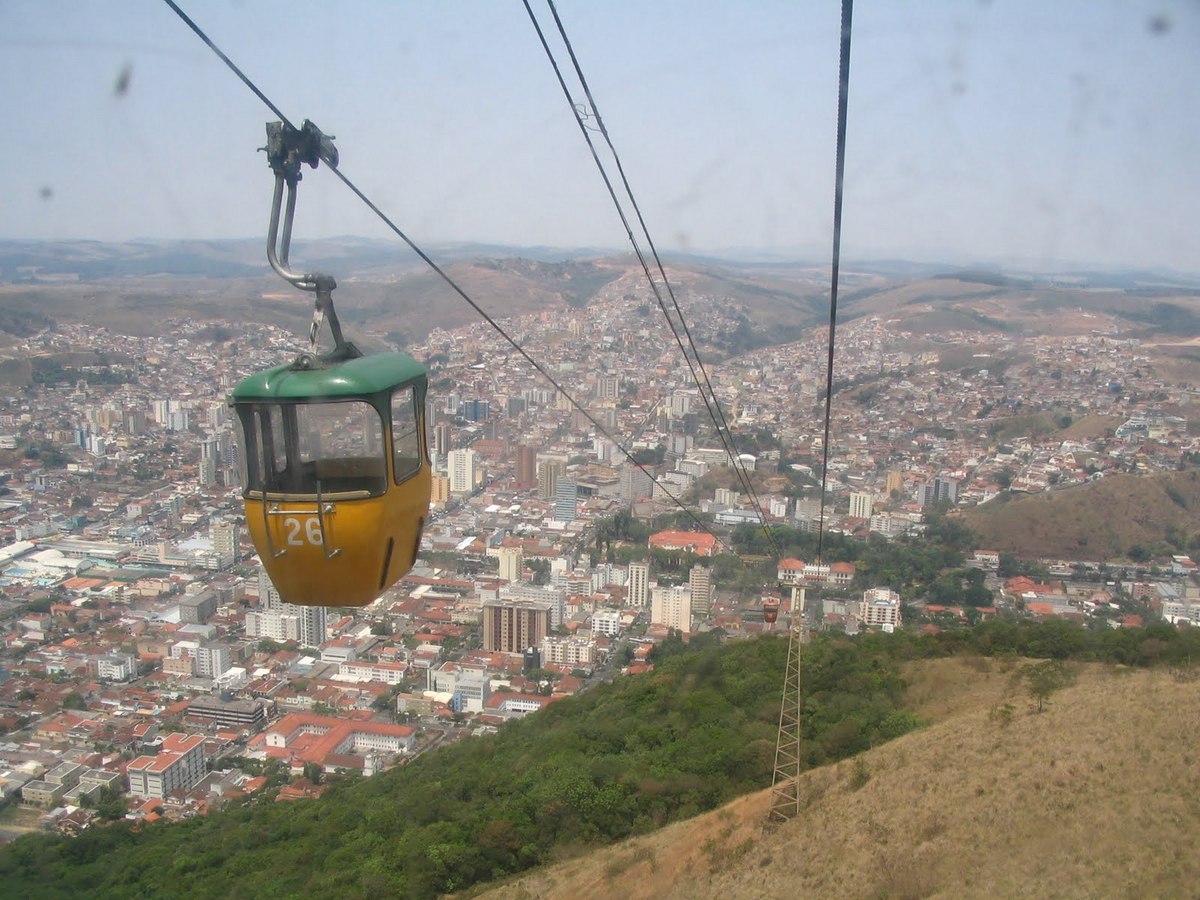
<point>785,783</point>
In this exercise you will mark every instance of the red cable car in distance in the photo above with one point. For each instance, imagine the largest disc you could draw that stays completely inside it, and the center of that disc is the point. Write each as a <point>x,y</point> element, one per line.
<point>770,611</point>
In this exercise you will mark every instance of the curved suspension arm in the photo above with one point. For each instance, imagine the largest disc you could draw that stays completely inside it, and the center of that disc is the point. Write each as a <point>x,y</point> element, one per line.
<point>277,249</point>
<point>287,148</point>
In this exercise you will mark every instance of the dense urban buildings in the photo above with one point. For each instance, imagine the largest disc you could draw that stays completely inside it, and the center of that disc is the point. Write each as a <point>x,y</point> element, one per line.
<point>134,597</point>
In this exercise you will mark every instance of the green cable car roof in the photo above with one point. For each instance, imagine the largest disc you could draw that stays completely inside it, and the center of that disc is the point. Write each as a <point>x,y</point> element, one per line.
<point>364,376</point>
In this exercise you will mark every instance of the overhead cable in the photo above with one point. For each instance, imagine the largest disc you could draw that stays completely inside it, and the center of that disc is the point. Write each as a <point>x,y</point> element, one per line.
<point>693,359</point>
<point>456,288</point>
<point>839,177</point>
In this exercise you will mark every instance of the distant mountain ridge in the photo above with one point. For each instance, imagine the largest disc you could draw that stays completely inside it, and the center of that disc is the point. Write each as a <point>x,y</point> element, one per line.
<point>384,288</point>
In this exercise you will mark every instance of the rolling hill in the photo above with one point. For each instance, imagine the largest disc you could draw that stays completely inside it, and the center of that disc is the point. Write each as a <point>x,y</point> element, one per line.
<point>384,288</point>
<point>1097,521</point>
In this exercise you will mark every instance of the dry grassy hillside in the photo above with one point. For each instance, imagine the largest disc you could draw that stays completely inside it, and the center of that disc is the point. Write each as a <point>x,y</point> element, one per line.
<point>1097,796</point>
<point>1095,521</point>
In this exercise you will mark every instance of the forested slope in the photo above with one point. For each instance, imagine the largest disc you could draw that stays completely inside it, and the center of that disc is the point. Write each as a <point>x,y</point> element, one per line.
<point>622,759</point>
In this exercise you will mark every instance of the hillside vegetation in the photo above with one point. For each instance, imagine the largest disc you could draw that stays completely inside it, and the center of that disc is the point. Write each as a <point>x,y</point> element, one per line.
<point>1096,796</point>
<point>622,759</point>
<point>631,757</point>
<point>1108,518</point>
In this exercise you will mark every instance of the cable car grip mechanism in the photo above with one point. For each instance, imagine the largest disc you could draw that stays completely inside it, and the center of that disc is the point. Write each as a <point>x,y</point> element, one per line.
<point>287,149</point>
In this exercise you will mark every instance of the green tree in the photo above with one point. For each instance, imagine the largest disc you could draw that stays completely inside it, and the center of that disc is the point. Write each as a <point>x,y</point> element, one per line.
<point>111,803</point>
<point>1044,678</point>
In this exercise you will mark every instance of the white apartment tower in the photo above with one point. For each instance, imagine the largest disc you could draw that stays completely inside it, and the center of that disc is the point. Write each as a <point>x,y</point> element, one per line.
<point>461,466</point>
<point>861,505</point>
<point>179,764</point>
<point>279,621</point>
<point>672,606</point>
<point>880,608</point>
<point>639,583</point>
<point>226,539</point>
<point>511,563</point>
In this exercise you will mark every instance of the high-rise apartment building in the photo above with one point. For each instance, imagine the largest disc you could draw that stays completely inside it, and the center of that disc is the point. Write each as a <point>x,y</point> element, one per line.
<point>724,498</point>
<point>178,764</point>
<point>513,626</point>
<point>701,586</point>
<point>940,490</point>
<point>462,471</point>
<point>526,465</point>
<point>606,622</point>
<point>226,541</point>
<point>608,387</point>
<point>635,484</point>
<point>210,460</point>
<point>553,597</point>
<point>548,473</point>
<point>566,498</point>
<point>671,606</point>
<point>441,438</point>
<point>861,505</point>
<point>439,489</point>
<point>279,621</point>
<point>511,563</point>
<point>639,583</point>
<point>880,608</point>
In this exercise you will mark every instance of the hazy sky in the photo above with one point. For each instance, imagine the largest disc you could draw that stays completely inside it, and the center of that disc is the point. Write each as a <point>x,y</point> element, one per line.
<point>1048,131</point>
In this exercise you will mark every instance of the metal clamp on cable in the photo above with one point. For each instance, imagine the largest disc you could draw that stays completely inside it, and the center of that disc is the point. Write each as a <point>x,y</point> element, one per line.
<point>288,149</point>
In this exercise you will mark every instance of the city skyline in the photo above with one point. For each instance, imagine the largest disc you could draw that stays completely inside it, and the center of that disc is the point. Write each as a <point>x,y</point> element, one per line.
<point>1002,133</point>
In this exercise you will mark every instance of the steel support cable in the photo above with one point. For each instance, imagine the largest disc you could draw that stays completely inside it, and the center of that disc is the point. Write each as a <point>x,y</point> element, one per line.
<point>454,285</point>
<point>521,350</point>
<point>839,177</point>
<point>620,210</point>
<point>229,62</point>
<point>724,433</point>
<point>708,396</point>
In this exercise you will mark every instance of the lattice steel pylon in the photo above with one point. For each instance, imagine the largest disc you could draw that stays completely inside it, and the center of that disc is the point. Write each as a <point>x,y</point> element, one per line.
<point>785,785</point>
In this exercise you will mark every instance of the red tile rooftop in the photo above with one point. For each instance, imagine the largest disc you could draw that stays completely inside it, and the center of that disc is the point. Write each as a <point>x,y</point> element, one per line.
<point>702,543</point>
<point>182,743</point>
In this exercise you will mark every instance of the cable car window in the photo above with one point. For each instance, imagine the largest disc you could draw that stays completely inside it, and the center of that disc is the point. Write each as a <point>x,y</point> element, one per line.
<point>314,448</point>
<point>406,435</point>
<point>259,445</point>
<point>339,447</point>
<point>276,445</point>
<point>245,454</point>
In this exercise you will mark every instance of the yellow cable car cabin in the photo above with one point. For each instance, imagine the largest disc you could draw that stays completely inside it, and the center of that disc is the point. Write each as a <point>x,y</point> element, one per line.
<point>336,478</point>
